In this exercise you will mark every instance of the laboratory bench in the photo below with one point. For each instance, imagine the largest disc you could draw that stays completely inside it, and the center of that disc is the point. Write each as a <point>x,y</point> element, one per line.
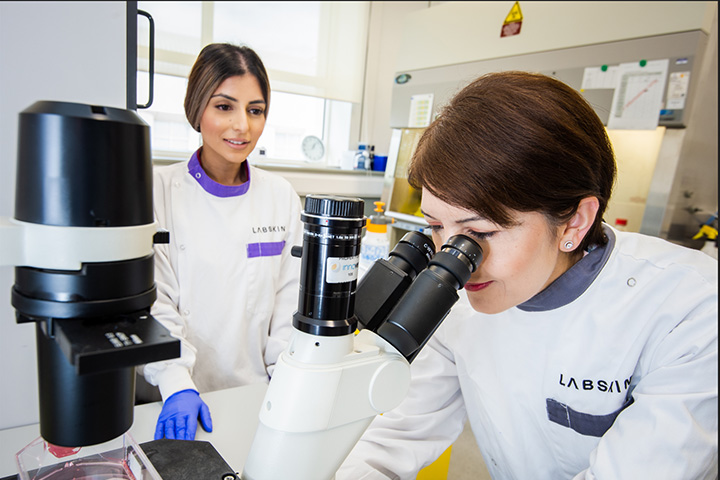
<point>234,414</point>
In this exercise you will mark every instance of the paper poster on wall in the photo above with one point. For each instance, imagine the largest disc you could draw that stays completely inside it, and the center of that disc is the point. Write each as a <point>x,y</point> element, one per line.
<point>638,96</point>
<point>420,110</point>
<point>600,77</point>
<point>677,90</point>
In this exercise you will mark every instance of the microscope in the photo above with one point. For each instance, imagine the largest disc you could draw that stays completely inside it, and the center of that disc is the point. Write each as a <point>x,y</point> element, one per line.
<point>81,241</point>
<point>349,357</point>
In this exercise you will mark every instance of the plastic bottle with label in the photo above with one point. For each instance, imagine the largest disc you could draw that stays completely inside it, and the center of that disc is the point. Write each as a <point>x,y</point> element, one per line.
<point>362,155</point>
<point>376,241</point>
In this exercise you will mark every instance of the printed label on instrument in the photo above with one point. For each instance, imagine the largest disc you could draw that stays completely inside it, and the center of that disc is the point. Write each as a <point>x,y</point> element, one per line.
<point>342,269</point>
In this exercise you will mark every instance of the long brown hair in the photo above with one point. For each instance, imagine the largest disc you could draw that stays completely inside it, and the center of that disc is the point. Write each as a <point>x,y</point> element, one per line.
<point>215,63</point>
<point>517,141</point>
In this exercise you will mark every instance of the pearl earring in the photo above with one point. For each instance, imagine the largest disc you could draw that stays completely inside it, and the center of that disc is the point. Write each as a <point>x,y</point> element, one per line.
<point>569,245</point>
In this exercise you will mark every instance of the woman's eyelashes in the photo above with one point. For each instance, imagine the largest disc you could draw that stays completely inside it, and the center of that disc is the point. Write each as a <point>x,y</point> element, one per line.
<point>254,111</point>
<point>481,235</point>
<point>471,233</point>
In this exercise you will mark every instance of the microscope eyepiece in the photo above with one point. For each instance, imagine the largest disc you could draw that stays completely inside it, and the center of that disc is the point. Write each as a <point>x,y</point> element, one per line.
<point>457,260</point>
<point>412,253</point>
<point>431,296</point>
<point>388,279</point>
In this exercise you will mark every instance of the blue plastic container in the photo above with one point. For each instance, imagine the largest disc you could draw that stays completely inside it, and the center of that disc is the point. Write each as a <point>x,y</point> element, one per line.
<point>379,163</point>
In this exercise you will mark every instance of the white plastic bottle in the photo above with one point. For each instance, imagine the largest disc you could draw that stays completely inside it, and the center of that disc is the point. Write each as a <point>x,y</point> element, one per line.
<point>376,242</point>
<point>361,156</point>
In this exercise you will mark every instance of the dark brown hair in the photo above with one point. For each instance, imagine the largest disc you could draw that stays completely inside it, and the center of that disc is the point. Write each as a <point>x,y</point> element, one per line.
<point>517,141</point>
<point>216,63</point>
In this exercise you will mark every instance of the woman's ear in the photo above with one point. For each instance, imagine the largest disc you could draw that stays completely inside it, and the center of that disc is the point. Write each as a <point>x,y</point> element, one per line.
<point>577,227</point>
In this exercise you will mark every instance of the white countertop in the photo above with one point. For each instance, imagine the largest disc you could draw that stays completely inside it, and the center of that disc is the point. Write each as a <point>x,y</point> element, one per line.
<point>360,183</point>
<point>234,413</point>
<point>322,181</point>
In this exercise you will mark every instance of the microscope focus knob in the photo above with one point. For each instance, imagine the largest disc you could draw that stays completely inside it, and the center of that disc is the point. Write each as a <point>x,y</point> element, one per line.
<point>389,384</point>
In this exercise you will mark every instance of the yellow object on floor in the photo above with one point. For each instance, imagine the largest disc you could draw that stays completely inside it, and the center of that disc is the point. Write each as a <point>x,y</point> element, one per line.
<point>438,470</point>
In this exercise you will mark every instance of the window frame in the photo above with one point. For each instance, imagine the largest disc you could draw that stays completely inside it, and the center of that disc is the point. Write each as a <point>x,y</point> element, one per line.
<point>178,64</point>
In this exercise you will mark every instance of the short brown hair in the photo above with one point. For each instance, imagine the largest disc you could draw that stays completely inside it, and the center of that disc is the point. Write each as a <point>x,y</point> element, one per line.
<point>517,141</point>
<point>216,63</point>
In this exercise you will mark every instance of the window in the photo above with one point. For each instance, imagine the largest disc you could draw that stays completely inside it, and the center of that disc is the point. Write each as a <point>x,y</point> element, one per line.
<point>314,53</point>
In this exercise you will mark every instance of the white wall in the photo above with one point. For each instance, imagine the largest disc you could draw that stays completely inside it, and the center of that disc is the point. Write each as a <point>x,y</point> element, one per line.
<point>416,35</point>
<point>66,51</point>
<point>459,32</point>
<point>385,36</point>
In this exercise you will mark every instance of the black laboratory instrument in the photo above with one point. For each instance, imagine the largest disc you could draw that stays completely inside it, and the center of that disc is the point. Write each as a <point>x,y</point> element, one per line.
<point>85,273</point>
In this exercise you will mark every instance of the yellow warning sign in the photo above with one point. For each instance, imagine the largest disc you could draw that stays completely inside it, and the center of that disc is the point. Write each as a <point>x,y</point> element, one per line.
<point>515,14</point>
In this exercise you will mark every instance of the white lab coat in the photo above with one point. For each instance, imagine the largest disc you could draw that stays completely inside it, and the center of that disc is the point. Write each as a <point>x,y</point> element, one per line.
<point>231,310</point>
<point>645,329</point>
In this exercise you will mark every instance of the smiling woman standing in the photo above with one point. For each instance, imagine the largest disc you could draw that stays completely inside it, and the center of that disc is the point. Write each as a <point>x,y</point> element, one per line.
<point>227,284</point>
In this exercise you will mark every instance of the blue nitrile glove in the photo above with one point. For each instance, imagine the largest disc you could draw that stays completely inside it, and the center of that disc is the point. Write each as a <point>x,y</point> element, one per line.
<point>179,416</point>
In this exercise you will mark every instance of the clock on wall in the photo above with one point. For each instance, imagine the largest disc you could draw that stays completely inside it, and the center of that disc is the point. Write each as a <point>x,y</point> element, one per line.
<point>313,148</point>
